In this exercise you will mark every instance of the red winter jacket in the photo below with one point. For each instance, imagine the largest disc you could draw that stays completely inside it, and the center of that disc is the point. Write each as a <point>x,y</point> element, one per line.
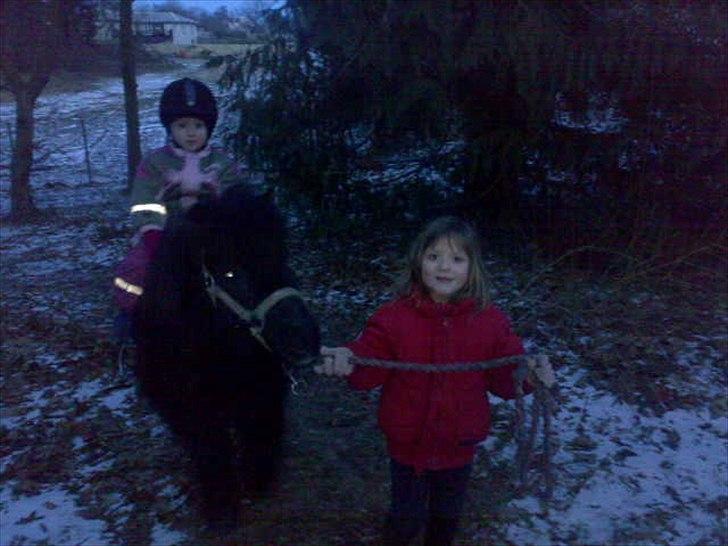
<point>434,420</point>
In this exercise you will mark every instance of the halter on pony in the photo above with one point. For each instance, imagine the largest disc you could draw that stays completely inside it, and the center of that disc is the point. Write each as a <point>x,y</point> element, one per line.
<point>254,319</point>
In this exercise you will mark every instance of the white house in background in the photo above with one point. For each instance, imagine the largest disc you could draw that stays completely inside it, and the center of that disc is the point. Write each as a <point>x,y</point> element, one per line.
<point>159,24</point>
<point>151,26</point>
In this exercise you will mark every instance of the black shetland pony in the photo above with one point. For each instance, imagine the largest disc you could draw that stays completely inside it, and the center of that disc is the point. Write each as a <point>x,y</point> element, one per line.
<point>215,370</point>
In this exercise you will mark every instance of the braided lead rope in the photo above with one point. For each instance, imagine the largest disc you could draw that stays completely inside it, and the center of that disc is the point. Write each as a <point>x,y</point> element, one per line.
<point>450,367</point>
<point>542,407</point>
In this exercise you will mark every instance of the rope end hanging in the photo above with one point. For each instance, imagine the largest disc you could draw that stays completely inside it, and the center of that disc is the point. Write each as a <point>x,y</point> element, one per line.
<point>542,409</point>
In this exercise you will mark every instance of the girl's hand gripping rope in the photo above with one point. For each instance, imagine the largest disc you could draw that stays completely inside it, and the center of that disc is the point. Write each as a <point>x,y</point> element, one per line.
<point>540,370</point>
<point>336,361</point>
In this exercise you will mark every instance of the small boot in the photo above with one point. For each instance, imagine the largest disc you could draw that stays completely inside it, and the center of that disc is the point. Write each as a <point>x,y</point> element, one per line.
<point>440,531</point>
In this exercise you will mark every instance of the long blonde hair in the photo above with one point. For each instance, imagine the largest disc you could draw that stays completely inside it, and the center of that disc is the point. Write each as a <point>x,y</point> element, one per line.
<point>462,234</point>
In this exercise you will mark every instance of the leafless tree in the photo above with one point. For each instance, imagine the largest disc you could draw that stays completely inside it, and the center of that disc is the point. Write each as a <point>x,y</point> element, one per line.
<point>131,101</point>
<point>32,35</point>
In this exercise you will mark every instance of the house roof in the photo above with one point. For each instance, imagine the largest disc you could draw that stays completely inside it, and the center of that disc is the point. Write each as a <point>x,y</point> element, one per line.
<point>161,17</point>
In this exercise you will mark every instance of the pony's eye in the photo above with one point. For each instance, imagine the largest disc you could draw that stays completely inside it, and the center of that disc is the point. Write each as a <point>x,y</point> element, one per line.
<point>229,274</point>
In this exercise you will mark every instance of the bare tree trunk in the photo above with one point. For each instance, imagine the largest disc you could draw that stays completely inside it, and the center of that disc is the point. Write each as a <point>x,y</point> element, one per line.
<point>131,101</point>
<point>32,35</point>
<point>21,200</point>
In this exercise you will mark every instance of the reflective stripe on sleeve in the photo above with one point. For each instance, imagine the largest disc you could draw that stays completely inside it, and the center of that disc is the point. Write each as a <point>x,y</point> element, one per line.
<point>150,207</point>
<point>128,287</point>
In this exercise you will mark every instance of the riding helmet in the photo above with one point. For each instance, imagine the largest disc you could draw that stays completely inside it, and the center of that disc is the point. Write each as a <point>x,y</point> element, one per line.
<point>188,98</point>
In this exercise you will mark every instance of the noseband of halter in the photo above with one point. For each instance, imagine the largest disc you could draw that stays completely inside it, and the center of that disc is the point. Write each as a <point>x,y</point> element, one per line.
<point>254,319</point>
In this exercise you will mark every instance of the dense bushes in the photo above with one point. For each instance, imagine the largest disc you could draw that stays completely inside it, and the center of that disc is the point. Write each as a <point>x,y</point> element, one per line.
<point>575,123</point>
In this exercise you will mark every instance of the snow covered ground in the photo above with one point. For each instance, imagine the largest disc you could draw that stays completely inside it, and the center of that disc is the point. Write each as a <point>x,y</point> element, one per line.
<point>628,478</point>
<point>625,474</point>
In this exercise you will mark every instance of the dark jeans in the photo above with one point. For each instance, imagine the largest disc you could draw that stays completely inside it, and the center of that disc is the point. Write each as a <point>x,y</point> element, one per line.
<point>432,498</point>
<point>124,328</point>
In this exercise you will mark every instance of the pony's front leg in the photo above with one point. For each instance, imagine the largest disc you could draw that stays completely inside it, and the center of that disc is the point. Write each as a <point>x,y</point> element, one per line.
<point>260,428</point>
<point>215,456</point>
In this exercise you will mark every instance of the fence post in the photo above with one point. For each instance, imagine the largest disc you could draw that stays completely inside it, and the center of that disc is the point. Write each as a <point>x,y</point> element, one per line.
<point>85,149</point>
<point>11,140</point>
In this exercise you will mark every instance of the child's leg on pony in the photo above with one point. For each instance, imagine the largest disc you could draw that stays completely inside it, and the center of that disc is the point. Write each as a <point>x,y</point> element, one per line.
<point>123,328</point>
<point>129,282</point>
<point>128,287</point>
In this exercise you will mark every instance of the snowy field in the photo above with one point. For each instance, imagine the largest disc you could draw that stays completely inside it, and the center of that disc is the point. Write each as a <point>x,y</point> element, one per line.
<point>626,474</point>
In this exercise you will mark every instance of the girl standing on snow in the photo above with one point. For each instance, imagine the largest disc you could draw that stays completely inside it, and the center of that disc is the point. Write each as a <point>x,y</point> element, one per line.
<point>172,178</point>
<point>433,421</point>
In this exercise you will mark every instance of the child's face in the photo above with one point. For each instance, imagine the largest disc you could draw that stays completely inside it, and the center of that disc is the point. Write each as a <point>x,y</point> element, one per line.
<point>189,133</point>
<point>445,269</point>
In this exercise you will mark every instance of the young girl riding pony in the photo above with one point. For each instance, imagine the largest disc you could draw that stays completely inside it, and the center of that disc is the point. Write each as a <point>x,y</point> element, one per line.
<point>433,421</point>
<point>171,179</point>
